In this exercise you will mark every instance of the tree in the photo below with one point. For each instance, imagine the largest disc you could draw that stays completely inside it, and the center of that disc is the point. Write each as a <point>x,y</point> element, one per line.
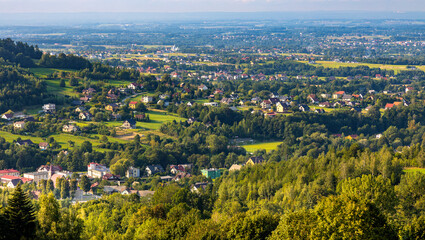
<point>350,218</point>
<point>86,146</point>
<point>20,215</point>
<point>85,183</point>
<point>62,83</point>
<point>64,189</point>
<point>48,215</point>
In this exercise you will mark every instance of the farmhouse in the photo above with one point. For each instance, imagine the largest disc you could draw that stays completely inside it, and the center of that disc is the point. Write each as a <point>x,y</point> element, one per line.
<point>129,124</point>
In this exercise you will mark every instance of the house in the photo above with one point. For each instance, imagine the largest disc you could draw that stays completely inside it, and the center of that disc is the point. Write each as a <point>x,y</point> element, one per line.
<point>212,173</point>
<point>114,189</point>
<point>49,167</point>
<point>89,91</point>
<point>110,177</point>
<point>190,104</point>
<point>346,97</point>
<point>10,181</point>
<point>202,87</point>
<point>19,125</point>
<point>147,99</point>
<point>304,108</point>
<point>129,124</point>
<point>235,167</point>
<point>50,107</point>
<point>266,104</point>
<point>338,94</point>
<point>140,117</point>
<point>96,170</point>
<point>86,98</point>
<point>191,120</point>
<point>43,145</point>
<point>37,176</point>
<point>255,160</point>
<point>325,95</point>
<point>132,172</point>
<point>281,107</point>
<point>324,104</point>
<point>80,109</point>
<point>10,172</point>
<point>409,89</point>
<point>132,104</point>
<point>179,176</point>
<point>319,110</point>
<point>197,187</point>
<point>226,101</point>
<point>313,99</point>
<point>164,96</point>
<point>8,116</point>
<point>255,100</point>
<point>211,104</point>
<point>153,169</point>
<point>133,86</point>
<point>85,116</point>
<point>174,169</point>
<point>112,107</point>
<point>24,142</point>
<point>69,128</point>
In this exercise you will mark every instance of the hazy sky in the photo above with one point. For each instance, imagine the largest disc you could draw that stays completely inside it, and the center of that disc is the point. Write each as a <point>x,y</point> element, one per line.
<point>20,6</point>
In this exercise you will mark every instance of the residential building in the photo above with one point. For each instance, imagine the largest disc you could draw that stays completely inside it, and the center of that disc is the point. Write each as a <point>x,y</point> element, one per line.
<point>197,187</point>
<point>129,124</point>
<point>69,128</point>
<point>132,172</point>
<point>11,172</point>
<point>43,145</point>
<point>96,170</point>
<point>338,94</point>
<point>24,142</point>
<point>147,99</point>
<point>255,160</point>
<point>7,116</point>
<point>50,107</point>
<point>85,116</point>
<point>37,176</point>
<point>112,107</point>
<point>132,104</point>
<point>235,167</point>
<point>153,169</point>
<point>19,125</point>
<point>212,173</point>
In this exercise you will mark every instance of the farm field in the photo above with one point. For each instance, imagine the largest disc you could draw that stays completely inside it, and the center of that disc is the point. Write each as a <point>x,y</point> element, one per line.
<point>268,146</point>
<point>330,64</point>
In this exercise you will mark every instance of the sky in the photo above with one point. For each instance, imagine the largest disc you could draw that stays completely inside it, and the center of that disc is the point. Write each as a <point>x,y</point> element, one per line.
<point>181,6</point>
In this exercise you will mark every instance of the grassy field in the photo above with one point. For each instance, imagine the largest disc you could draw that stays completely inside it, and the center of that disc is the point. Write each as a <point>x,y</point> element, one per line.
<point>413,169</point>
<point>157,119</point>
<point>62,139</point>
<point>268,146</point>
<point>396,68</point>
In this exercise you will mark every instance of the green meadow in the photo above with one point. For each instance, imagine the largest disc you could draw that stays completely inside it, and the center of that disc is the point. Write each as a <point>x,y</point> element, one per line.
<point>268,146</point>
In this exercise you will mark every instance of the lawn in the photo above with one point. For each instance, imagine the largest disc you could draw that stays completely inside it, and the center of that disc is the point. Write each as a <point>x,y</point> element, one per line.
<point>157,119</point>
<point>414,169</point>
<point>268,146</point>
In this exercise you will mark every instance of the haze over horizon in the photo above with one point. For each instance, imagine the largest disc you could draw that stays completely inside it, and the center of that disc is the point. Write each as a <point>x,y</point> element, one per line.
<point>181,6</point>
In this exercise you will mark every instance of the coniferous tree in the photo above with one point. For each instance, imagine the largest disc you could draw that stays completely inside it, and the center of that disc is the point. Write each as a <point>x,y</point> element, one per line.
<point>20,215</point>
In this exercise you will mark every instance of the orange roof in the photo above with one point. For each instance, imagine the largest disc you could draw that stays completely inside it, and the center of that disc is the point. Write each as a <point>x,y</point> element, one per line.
<point>133,102</point>
<point>396,103</point>
<point>10,177</point>
<point>389,105</point>
<point>340,92</point>
<point>8,171</point>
